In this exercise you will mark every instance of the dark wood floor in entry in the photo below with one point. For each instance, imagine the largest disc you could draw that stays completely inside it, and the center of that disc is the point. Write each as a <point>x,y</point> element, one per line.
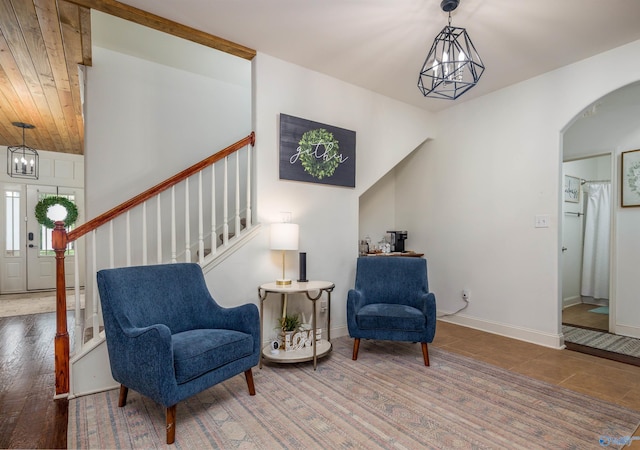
<point>29,417</point>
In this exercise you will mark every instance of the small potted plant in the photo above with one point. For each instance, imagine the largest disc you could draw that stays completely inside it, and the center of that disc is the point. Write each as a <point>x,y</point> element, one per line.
<point>289,325</point>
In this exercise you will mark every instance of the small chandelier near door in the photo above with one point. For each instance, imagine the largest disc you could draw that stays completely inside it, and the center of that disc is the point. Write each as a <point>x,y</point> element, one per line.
<point>453,65</point>
<point>22,161</point>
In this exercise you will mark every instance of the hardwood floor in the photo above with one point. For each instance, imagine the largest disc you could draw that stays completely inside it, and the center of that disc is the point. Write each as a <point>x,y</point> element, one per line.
<point>30,418</point>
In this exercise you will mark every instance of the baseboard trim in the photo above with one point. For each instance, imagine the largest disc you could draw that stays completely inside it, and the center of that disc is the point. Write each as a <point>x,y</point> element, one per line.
<point>628,330</point>
<point>522,334</point>
<point>571,301</point>
<point>339,332</point>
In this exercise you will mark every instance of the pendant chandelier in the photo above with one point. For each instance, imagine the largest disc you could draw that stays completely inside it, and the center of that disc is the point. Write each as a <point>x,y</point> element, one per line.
<point>22,161</point>
<point>453,65</point>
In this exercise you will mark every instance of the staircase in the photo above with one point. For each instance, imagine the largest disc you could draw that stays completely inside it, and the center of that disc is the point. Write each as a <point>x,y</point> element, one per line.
<point>201,214</point>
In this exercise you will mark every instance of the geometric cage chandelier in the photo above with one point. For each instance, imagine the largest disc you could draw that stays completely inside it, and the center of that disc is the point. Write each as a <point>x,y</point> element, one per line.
<point>453,65</point>
<point>22,161</point>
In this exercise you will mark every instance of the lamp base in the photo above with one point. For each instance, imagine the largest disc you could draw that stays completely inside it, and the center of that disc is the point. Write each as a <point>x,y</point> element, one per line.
<point>282,282</point>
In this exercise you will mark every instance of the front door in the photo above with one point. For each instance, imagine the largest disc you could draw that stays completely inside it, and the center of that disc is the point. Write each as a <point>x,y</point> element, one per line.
<point>41,262</point>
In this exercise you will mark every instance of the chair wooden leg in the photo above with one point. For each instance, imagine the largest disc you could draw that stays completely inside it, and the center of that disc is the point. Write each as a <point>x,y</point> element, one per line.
<point>425,353</point>
<point>122,400</point>
<point>356,347</point>
<point>248,374</point>
<point>171,424</point>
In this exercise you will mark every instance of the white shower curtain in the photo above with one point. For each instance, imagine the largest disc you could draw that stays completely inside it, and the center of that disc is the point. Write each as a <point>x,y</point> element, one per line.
<point>595,257</point>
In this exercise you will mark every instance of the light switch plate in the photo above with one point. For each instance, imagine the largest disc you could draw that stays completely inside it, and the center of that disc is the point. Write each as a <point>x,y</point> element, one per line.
<point>542,221</point>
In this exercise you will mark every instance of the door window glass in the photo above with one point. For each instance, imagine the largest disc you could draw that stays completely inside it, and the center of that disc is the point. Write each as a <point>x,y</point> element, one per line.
<point>12,214</point>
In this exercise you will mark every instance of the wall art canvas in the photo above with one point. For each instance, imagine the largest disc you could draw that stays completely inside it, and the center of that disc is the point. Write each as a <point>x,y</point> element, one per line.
<point>630,178</point>
<point>571,189</point>
<point>316,153</point>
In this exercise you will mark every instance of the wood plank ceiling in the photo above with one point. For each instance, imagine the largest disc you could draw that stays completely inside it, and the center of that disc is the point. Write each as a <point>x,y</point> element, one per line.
<point>42,44</point>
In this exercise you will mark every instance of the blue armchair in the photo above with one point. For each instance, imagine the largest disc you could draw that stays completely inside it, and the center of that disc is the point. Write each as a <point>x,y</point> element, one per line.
<point>168,339</point>
<point>391,301</point>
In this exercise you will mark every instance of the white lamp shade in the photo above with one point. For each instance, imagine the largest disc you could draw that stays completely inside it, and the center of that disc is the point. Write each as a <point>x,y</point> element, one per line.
<point>284,236</point>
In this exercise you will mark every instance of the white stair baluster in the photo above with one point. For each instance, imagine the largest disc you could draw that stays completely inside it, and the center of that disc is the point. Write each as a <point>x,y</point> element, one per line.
<point>144,234</point>
<point>112,262</point>
<point>158,230</point>
<point>237,184</point>
<point>248,181</point>
<point>200,222</point>
<point>76,290</point>
<point>214,228</point>
<point>94,298</point>
<point>225,204</point>
<point>187,223</point>
<point>174,257</point>
<point>128,238</point>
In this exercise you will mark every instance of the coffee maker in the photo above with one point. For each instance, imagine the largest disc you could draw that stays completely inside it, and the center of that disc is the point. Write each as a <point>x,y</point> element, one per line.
<point>397,240</point>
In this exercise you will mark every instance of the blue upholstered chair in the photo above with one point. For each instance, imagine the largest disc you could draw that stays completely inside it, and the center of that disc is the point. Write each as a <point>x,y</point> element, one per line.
<point>391,301</point>
<point>168,339</point>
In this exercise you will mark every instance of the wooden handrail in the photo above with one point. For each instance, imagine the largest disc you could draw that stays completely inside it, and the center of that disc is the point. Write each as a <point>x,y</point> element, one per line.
<point>60,240</point>
<point>160,187</point>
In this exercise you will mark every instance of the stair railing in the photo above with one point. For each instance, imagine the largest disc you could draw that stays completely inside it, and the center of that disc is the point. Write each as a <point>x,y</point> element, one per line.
<point>176,243</point>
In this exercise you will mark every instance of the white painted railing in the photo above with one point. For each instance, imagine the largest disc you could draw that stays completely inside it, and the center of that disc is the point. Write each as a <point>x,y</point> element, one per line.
<point>155,223</point>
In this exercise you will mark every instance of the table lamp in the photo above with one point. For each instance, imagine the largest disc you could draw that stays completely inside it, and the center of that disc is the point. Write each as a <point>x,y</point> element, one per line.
<point>284,236</point>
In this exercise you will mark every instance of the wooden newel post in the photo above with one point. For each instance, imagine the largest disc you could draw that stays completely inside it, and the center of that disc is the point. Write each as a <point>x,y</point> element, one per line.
<point>59,243</point>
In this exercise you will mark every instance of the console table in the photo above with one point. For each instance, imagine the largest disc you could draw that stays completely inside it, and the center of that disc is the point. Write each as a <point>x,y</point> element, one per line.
<point>313,291</point>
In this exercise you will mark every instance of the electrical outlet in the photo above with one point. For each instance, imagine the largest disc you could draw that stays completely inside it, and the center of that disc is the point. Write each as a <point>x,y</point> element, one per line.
<point>323,305</point>
<point>465,295</point>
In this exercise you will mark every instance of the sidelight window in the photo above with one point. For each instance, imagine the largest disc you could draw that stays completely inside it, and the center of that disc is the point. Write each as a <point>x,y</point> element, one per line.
<point>12,214</point>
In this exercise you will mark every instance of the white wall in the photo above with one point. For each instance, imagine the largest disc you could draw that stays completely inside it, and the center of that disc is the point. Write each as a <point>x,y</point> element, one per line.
<point>386,131</point>
<point>146,121</point>
<point>470,197</point>
<point>627,256</point>
<point>155,104</point>
<point>160,119</point>
<point>378,209</point>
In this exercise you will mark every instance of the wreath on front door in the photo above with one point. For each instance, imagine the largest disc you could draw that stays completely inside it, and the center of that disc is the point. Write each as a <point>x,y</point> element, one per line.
<point>42,208</point>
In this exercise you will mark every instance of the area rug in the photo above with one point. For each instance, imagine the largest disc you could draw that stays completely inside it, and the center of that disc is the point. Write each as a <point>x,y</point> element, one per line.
<point>387,399</point>
<point>600,310</point>
<point>35,303</point>
<point>602,340</point>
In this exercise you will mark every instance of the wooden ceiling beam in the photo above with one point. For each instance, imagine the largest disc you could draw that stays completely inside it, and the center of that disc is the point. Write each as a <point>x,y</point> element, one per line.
<point>150,20</point>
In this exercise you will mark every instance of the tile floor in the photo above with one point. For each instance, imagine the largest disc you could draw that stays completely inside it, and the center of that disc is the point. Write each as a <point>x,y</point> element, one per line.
<point>580,316</point>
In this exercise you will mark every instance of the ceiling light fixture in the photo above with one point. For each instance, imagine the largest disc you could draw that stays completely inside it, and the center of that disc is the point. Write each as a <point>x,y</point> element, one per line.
<point>453,65</point>
<point>22,161</point>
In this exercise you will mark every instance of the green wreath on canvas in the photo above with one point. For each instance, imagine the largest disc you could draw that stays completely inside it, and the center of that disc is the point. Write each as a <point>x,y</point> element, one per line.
<point>634,178</point>
<point>319,163</point>
<point>43,207</point>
